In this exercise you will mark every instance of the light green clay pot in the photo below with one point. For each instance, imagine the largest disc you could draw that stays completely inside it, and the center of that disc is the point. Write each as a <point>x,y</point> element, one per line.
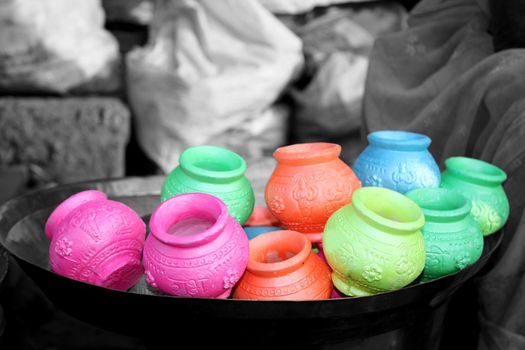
<point>374,244</point>
<point>216,171</point>
<point>481,182</point>
<point>453,239</point>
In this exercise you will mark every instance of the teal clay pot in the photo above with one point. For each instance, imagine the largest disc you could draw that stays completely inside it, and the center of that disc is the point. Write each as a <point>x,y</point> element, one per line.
<point>481,182</point>
<point>374,244</point>
<point>453,239</point>
<point>216,171</point>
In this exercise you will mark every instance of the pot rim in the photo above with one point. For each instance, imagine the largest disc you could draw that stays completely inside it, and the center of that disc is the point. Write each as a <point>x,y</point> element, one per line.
<point>399,140</point>
<point>197,160</point>
<point>278,240</point>
<point>475,170</point>
<point>366,203</point>
<point>456,205</point>
<point>176,208</point>
<point>307,153</point>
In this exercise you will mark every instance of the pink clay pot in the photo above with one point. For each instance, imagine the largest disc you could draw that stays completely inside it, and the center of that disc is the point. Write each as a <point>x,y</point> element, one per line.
<point>67,206</point>
<point>96,240</point>
<point>337,294</point>
<point>195,248</point>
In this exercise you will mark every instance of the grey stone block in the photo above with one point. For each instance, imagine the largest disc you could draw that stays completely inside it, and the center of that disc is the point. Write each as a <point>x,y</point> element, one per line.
<point>71,139</point>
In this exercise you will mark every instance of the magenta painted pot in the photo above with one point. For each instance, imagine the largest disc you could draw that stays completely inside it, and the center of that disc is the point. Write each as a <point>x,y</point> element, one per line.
<point>67,206</point>
<point>195,247</point>
<point>96,240</point>
<point>337,294</point>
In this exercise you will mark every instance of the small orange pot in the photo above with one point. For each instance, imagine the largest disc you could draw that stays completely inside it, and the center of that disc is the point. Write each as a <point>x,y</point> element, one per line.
<point>308,185</point>
<point>282,266</point>
<point>261,216</point>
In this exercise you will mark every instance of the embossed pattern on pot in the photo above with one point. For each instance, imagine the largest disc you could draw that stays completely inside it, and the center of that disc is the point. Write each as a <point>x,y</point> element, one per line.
<point>283,267</point>
<point>481,183</point>
<point>397,160</point>
<point>453,239</point>
<point>374,244</point>
<point>96,240</point>
<point>216,171</point>
<point>206,261</point>
<point>309,183</point>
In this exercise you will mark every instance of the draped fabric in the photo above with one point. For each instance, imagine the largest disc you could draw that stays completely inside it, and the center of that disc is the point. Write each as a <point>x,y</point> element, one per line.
<point>442,77</point>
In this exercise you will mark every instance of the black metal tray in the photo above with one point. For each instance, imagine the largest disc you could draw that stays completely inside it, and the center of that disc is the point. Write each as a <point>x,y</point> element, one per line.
<point>409,318</point>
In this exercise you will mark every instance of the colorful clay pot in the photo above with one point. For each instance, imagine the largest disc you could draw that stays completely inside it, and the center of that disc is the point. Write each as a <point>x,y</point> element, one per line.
<point>320,252</point>
<point>216,171</point>
<point>337,294</point>
<point>261,216</point>
<point>254,231</point>
<point>309,183</point>
<point>397,160</point>
<point>481,182</point>
<point>96,240</point>
<point>283,267</point>
<point>453,239</point>
<point>374,244</point>
<point>65,208</point>
<point>195,248</point>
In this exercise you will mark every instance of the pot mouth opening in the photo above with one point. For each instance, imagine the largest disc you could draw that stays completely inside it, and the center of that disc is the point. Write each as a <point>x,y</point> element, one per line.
<point>389,209</point>
<point>399,140</point>
<point>277,251</point>
<point>191,225</point>
<point>188,219</point>
<point>307,153</point>
<point>440,204</point>
<point>475,170</point>
<point>211,162</point>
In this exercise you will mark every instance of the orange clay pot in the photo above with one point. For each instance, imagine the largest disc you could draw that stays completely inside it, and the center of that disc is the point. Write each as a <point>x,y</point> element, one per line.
<point>308,185</point>
<point>281,266</point>
<point>261,216</point>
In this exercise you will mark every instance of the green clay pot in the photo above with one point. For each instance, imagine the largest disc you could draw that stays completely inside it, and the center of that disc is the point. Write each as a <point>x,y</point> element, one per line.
<point>216,171</point>
<point>480,182</point>
<point>374,244</point>
<point>453,239</point>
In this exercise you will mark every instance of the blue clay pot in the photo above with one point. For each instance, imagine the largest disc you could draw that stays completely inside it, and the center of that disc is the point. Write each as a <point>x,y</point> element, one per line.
<point>397,160</point>
<point>254,231</point>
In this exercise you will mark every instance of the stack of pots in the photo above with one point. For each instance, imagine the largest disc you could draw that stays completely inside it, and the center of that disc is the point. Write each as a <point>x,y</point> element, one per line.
<point>410,223</point>
<point>396,220</point>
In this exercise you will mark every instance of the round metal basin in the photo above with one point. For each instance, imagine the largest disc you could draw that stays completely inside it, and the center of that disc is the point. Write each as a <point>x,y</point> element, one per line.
<point>410,318</point>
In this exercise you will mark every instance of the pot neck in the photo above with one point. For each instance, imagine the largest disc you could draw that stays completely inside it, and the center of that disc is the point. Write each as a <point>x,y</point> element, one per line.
<point>395,140</point>
<point>189,220</point>
<point>474,171</point>
<point>440,204</point>
<point>212,164</point>
<point>388,210</point>
<point>278,253</point>
<point>307,153</point>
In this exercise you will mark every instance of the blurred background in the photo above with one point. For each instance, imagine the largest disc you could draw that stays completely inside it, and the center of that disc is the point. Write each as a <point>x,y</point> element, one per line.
<point>119,87</point>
